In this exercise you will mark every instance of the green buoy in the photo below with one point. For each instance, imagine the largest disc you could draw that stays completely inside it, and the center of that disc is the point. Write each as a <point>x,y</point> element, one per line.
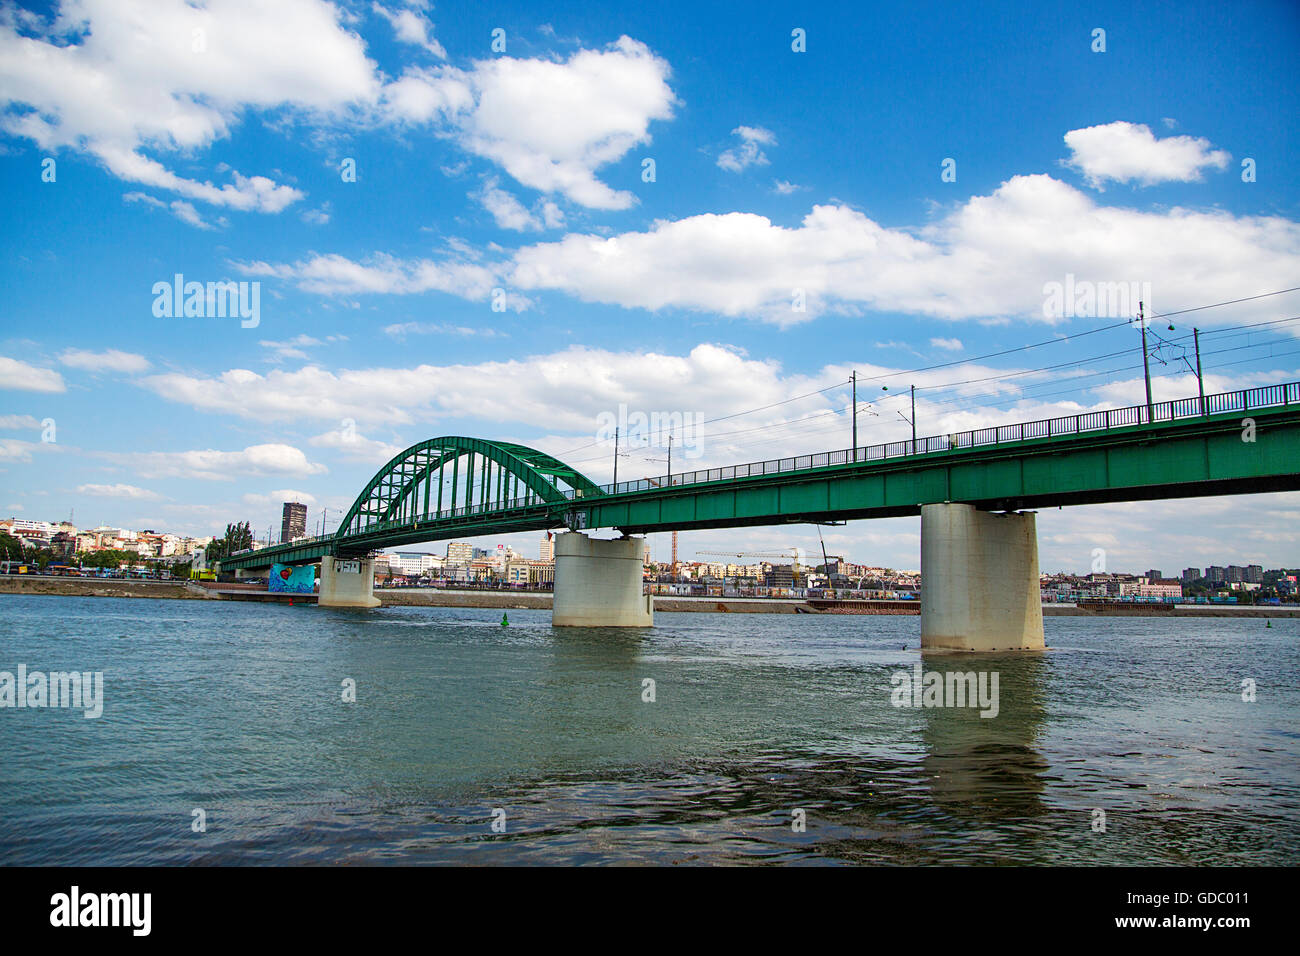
<point>505,621</point>
<point>1268,623</point>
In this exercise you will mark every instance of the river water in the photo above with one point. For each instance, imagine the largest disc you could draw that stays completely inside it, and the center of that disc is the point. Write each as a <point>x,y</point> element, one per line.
<point>770,739</point>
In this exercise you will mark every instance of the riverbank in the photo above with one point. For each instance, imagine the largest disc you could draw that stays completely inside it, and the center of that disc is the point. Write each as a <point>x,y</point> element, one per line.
<point>521,600</point>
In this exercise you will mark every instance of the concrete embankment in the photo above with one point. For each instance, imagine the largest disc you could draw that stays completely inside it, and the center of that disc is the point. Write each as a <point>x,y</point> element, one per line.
<point>435,597</point>
<point>99,587</point>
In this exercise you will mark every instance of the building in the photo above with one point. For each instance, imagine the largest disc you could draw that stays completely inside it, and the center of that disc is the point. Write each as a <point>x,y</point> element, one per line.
<point>517,573</point>
<point>781,576</point>
<point>1192,574</point>
<point>546,550</point>
<point>459,554</point>
<point>1151,588</point>
<point>1155,575</point>
<point>1215,574</point>
<point>293,522</point>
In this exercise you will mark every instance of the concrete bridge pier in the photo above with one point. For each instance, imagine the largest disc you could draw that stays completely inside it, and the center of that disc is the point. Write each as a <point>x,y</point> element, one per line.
<point>347,582</point>
<point>598,583</point>
<point>979,580</point>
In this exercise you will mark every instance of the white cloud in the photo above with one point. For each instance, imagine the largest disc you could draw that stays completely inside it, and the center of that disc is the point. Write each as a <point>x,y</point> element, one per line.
<point>13,449</point>
<point>317,217</point>
<point>20,376</point>
<point>118,491</point>
<point>549,124</point>
<point>748,152</point>
<point>335,274</point>
<point>212,465</point>
<point>120,78</point>
<point>111,360</point>
<point>413,28</point>
<point>988,258</point>
<point>356,447</point>
<point>783,188</point>
<point>294,348</point>
<point>13,423</point>
<point>508,211</point>
<point>951,345</point>
<point>1129,152</point>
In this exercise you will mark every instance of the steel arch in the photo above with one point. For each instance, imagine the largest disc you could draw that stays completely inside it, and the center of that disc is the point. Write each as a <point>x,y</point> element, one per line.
<point>396,486</point>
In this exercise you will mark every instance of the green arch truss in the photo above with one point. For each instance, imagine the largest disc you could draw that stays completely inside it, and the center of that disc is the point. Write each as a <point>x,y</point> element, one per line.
<point>453,476</point>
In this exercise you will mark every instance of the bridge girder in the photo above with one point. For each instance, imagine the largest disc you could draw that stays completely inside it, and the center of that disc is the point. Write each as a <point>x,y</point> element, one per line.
<point>395,490</point>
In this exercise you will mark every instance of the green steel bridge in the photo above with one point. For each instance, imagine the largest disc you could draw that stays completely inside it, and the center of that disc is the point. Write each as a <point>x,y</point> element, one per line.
<point>456,487</point>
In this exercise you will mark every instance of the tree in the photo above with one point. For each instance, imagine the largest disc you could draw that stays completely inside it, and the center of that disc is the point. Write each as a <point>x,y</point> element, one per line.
<point>11,549</point>
<point>238,537</point>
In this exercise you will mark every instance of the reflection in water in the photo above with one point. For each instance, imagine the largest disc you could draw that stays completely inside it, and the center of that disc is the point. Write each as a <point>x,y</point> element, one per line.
<point>986,768</point>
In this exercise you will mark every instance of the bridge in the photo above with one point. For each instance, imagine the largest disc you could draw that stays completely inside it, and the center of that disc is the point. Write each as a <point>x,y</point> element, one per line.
<point>973,490</point>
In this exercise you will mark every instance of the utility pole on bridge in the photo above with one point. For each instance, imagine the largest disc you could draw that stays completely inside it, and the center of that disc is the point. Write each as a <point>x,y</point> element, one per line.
<point>1146,364</point>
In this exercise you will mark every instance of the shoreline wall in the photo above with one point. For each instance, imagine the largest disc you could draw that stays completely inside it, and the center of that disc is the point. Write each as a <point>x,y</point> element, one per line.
<point>517,600</point>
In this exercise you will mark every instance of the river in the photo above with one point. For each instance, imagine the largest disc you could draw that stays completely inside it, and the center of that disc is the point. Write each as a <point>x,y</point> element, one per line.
<point>769,739</point>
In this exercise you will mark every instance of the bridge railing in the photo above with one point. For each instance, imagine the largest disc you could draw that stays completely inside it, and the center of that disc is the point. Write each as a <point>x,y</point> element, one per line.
<point>1240,401</point>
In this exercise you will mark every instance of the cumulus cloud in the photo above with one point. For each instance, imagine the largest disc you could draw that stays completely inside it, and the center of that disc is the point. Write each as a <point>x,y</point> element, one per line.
<point>111,360</point>
<point>412,27</point>
<point>549,124</point>
<point>213,465</point>
<point>20,376</point>
<point>1130,152</point>
<point>120,79</point>
<point>748,152</point>
<point>988,258</point>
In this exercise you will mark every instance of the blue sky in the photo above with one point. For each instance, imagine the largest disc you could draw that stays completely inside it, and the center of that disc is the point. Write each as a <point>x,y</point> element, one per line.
<point>208,140</point>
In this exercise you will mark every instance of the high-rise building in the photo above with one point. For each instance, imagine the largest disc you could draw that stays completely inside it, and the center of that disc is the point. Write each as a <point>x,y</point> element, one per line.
<point>1154,575</point>
<point>546,550</point>
<point>1215,574</point>
<point>459,553</point>
<point>1254,574</point>
<point>1191,574</point>
<point>293,524</point>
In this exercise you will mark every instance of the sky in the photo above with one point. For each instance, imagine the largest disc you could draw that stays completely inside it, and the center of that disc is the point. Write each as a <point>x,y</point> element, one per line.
<point>512,221</point>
